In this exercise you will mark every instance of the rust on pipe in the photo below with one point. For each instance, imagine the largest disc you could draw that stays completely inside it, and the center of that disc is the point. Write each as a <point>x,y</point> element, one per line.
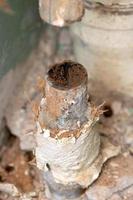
<point>67,143</point>
<point>66,99</point>
<point>67,75</point>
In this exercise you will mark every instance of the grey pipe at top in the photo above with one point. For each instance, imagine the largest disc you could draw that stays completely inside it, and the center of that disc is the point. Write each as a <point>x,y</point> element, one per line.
<point>64,12</point>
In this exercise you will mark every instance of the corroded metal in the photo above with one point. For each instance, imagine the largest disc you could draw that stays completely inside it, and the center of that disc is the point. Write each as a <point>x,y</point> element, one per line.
<point>67,142</point>
<point>66,100</point>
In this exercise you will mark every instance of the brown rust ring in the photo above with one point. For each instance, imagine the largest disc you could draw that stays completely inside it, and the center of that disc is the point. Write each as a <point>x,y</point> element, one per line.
<point>67,75</point>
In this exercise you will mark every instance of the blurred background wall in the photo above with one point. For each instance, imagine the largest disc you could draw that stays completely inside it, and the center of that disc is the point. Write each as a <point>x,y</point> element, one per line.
<point>20,30</point>
<point>20,26</point>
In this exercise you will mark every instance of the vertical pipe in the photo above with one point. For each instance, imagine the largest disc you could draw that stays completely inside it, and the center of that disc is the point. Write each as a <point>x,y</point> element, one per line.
<point>103,43</point>
<point>67,143</point>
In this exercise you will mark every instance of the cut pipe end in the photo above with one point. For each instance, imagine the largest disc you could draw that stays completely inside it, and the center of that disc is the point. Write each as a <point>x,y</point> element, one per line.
<point>66,96</point>
<point>67,75</point>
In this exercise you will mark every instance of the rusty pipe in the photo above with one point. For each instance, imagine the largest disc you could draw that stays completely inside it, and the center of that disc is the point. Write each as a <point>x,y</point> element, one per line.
<point>66,96</point>
<point>67,142</point>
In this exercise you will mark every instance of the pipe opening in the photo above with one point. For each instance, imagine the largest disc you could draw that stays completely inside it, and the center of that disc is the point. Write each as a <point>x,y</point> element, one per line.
<point>67,75</point>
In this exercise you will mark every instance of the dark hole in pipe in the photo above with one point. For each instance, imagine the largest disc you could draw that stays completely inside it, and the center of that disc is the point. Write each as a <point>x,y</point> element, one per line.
<point>67,75</point>
<point>108,111</point>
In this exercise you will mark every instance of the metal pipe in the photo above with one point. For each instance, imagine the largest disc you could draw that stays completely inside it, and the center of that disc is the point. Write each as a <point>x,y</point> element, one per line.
<point>67,142</point>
